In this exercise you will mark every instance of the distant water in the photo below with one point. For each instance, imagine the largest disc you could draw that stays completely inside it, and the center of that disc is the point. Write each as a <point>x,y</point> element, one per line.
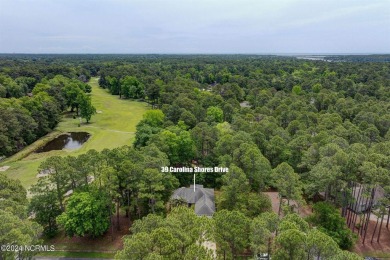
<point>323,58</point>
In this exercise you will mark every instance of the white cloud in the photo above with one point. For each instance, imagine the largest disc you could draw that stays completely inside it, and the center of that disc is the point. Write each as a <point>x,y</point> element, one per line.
<point>234,26</point>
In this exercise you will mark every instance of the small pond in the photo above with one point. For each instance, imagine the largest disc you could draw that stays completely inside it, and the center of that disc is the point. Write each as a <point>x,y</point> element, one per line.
<point>71,141</point>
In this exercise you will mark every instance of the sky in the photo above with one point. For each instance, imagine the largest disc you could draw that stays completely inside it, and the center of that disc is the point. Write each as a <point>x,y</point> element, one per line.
<point>201,26</point>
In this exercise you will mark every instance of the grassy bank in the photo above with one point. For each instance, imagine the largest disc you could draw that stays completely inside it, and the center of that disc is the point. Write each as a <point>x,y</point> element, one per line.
<point>114,125</point>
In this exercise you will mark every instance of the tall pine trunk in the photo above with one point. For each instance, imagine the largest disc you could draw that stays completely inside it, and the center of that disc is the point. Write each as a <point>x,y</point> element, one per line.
<point>344,203</point>
<point>269,249</point>
<point>364,218</point>
<point>369,213</point>
<point>376,225</point>
<point>380,228</point>
<point>112,223</point>
<point>280,205</point>
<point>359,200</point>
<point>117,215</point>
<point>349,206</point>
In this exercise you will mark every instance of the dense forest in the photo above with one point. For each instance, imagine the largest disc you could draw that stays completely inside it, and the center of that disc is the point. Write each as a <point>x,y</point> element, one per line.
<point>301,127</point>
<point>32,97</point>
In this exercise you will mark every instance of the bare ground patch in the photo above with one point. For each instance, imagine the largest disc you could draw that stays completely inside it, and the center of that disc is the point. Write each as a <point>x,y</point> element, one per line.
<point>4,168</point>
<point>375,248</point>
<point>109,242</point>
<point>303,210</point>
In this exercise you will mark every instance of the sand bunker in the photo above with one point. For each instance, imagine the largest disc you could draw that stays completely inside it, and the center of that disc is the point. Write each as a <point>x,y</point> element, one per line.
<point>4,168</point>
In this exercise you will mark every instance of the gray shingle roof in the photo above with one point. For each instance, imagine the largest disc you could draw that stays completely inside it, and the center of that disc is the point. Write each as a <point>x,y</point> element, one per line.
<point>203,199</point>
<point>363,204</point>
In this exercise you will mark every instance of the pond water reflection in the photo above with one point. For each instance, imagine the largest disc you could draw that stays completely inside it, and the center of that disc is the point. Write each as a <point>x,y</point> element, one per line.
<point>71,141</point>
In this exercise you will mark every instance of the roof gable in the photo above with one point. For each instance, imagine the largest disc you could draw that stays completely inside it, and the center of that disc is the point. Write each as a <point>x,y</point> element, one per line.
<point>203,198</point>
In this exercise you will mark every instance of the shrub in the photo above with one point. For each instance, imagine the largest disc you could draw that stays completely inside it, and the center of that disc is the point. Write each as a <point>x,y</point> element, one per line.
<point>328,219</point>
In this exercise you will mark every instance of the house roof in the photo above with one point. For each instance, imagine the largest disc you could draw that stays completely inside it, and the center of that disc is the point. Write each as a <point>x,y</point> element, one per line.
<point>203,198</point>
<point>362,195</point>
<point>359,188</point>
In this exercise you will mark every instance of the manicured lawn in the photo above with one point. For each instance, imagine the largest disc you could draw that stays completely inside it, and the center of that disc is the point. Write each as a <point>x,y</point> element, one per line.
<point>114,125</point>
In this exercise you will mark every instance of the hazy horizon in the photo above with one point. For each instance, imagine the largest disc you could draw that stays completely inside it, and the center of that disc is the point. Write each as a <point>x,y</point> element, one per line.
<point>188,53</point>
<point>252,27</point>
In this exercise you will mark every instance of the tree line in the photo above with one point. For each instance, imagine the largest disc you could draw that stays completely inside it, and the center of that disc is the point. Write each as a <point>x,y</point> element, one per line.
<point>110,180</point>
<point>305,128</point>
<point>182,235</point>
<point>34,110</point>
<point>302,127</point>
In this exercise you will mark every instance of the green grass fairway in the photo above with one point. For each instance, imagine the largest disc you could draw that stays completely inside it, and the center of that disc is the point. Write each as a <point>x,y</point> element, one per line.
<point>113,126</point>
